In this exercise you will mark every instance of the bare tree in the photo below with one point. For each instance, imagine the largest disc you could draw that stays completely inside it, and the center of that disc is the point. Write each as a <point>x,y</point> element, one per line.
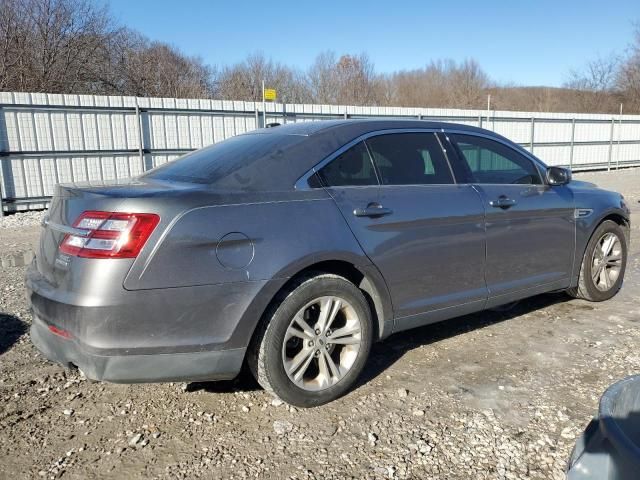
<point>355,77</point>
<point>592,87</point>
<point>322,78</point>
<point>63,46</point>
<point>50,45</point>
<point>599,75</point>
<point>442,83</point>
<point>243,81</point>
<point>133,65</point>
<point>348,80</point>
<point>628,79</point>
<point>468,84</point>
<point>11,38</point>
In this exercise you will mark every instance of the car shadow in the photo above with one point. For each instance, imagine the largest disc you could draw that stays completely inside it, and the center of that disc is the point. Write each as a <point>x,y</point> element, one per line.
<point>11,329</point>
<point>384,354</point>
<point>244,382</point>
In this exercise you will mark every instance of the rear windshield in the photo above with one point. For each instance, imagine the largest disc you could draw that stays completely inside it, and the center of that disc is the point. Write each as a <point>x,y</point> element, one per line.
<point>237,160</point>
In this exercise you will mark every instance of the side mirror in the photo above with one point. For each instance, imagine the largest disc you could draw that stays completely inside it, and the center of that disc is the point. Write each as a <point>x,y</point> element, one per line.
<point>558,176</point>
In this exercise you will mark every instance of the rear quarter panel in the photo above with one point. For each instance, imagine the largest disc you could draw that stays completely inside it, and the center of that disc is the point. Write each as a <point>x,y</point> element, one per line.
<point>280,237</point>
<point>246,242</point>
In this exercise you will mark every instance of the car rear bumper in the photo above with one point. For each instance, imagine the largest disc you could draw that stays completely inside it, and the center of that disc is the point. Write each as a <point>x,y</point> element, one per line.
<point>159,367</point>
<point>178,334</point>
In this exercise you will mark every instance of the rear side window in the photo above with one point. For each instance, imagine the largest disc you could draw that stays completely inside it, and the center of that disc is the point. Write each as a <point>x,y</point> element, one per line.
<point>409,159</point>
<point>491,162</point>
<point>351,168</point>
<point>241,157</point>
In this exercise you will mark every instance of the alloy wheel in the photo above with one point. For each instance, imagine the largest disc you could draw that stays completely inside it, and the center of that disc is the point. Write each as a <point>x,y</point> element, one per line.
<point>321,343</point>
<point>606,262</point>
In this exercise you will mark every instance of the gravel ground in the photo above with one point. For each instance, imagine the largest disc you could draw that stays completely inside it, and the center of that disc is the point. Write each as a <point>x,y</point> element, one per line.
<point>490,395</point>
<point>22,219</point>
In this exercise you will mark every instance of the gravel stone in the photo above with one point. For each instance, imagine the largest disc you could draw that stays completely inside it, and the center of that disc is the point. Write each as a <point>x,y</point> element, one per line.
<point>282,426</point>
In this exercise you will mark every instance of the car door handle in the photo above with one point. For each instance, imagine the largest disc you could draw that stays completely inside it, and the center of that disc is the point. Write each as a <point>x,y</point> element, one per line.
<point>372,210</point>
<point>503,202</point>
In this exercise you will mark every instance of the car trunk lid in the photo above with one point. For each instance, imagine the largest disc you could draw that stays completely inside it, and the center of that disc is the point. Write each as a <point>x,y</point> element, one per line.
<point>68,204</point>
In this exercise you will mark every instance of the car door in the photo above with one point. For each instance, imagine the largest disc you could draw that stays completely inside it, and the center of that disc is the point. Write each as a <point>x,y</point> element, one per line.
<point>423,232</point>
<point>530,226</point>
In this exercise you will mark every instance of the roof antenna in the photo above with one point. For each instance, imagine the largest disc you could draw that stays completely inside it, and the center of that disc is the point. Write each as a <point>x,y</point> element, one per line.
<point>272,124</point>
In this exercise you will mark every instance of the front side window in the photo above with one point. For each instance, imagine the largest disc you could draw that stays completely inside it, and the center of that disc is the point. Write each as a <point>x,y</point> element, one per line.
<point>351,168</point>
<point>491,162</point>
<point>409,159</point>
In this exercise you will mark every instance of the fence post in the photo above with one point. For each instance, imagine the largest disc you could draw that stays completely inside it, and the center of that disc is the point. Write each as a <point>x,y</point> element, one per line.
<point>1,190</point>
<point>140,136</point>
<point>479,120</point>
<point>613,122</point>
<point>619,135</point>
<point>573,136</point>
<point>2,149</point>
<point>346,115</point>
<point>533,123</point>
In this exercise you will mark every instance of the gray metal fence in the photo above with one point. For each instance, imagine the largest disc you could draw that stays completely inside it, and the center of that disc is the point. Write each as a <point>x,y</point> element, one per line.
<point>51,138</point>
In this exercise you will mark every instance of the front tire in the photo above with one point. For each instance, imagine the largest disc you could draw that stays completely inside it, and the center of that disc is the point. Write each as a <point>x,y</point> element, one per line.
<point>314,341</point>
<point>603,264</point>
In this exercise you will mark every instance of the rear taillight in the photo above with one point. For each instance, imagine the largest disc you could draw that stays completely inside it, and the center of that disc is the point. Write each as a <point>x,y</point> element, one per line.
<point>109,235</point>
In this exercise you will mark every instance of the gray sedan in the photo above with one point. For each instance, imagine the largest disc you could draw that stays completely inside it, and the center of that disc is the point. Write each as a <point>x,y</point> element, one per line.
<point>293,248</point>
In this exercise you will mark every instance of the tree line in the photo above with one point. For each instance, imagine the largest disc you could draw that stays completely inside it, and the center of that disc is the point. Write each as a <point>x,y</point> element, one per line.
<point>76,46</point>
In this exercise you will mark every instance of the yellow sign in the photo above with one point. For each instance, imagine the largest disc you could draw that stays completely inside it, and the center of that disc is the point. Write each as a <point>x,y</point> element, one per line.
<point>270,94</point>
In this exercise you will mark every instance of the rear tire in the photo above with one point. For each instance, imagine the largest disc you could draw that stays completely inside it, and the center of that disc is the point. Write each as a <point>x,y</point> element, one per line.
<point>314,341</point>
<point>603,264</point>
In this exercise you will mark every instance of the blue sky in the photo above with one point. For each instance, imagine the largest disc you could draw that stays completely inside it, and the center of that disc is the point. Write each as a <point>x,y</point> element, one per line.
<point>524,42</point>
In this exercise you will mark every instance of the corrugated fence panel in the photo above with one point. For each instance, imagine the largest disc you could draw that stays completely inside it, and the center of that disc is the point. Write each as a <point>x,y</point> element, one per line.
<point>553,155</point>
<point>547,131</point>
<point>517,131</point>
<point>51,138</point>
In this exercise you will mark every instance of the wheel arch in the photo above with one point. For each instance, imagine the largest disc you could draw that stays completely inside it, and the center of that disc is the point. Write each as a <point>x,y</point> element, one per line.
<point>616,217</point>
<point>366,277</point>
<point>588,229</point>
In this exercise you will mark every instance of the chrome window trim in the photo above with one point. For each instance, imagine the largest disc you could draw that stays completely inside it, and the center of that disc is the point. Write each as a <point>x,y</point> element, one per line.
<point>541,167</point>
<point>303,181</point>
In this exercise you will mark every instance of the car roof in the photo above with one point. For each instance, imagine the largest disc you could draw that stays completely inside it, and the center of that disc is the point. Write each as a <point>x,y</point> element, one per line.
<point>363,125</point>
